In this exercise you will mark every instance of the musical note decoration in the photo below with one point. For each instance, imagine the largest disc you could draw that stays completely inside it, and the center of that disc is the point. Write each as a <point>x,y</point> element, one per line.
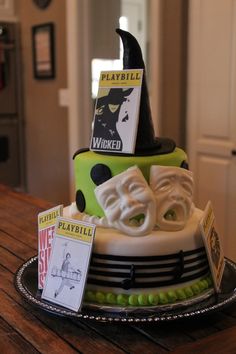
<point>128,283</point>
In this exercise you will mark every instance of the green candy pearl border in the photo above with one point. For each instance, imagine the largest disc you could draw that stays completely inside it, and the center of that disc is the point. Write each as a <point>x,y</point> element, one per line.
<point>149,299</point>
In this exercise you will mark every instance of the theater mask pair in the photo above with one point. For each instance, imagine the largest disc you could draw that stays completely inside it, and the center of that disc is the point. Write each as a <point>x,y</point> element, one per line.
<point>135,207</point>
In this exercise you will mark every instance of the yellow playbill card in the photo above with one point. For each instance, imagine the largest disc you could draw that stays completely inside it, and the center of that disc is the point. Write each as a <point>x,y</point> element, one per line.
<point>46,227</point>
<point>213,245</point>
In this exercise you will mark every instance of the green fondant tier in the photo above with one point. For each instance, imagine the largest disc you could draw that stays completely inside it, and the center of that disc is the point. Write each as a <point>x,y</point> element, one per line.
<point>85,161</point>
<point>156,298</point>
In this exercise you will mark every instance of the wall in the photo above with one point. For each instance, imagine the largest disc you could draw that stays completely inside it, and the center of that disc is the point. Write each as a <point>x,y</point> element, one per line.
<point>45,121</point>
<point>174,16</point>
<point>104,20</point>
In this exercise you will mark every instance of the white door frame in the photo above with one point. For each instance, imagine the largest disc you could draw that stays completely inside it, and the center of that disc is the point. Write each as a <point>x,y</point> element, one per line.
<point>79,79</point>
<point>155,64</point>
<point>192,104</point>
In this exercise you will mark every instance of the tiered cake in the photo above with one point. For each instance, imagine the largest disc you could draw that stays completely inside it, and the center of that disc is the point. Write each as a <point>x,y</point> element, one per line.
<point>148,250</point>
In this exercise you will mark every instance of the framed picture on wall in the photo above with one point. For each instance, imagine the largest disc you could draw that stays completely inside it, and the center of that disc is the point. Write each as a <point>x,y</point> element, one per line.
<point>43,43</point>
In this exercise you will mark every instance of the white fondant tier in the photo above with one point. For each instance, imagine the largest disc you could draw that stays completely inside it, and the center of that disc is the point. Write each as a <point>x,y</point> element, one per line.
<point>160,261</point>
<point>112,242</point>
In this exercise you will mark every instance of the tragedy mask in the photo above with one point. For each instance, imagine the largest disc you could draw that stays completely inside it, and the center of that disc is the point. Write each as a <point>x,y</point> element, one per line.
<point>173,190</point>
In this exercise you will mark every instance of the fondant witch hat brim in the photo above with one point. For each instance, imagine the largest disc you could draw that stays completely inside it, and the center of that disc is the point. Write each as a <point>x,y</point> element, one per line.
<point>146,142</point>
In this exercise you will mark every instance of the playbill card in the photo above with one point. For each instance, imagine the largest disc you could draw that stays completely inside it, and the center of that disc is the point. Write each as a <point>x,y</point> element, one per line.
<point>46,228</point>
<point>69,263</point>
<point>213,245</point>
<point>117,111</point>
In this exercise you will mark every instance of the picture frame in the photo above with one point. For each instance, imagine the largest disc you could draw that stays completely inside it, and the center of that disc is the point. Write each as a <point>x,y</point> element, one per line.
<point>43,45</point>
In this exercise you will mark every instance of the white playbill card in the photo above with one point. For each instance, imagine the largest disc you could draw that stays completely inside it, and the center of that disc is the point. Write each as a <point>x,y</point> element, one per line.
<point>69,263</point>
<point>116,114</point>
<point>213,245</point>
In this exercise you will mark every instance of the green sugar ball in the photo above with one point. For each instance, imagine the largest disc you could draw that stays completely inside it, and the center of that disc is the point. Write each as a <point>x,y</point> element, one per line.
<point>163,298</point>
<point>90,296</point>
<point>201,285</point>
<point>195,288</point>
<point>111,298</point>
<point>205,283</point>
<point>100,297</point>
<point>188,291</point>
<point>122,299</point>
<point>133,300</point>
<point>171,295</point>
<point>180,294</point>
<point>153,299</point>
<point>209,281</point>
<point>143,299</point>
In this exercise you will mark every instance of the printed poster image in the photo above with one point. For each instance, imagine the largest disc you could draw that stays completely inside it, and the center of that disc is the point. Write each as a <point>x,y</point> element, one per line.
<point>215,249</point>
<point>215,256</point>
<point>67,271</point>
<point>116,113</point>
<point>213,245</point>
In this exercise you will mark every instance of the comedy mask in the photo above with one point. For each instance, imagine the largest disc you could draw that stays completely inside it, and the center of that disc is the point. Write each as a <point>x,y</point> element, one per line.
<point>128,202</point>
<point>173,190</point>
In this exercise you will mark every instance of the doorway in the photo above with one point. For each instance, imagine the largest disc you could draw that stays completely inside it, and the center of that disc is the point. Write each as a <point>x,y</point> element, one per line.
<point>212,110</point>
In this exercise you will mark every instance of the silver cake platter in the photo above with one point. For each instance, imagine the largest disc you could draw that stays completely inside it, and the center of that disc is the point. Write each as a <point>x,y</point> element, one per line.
<point>26,283</point>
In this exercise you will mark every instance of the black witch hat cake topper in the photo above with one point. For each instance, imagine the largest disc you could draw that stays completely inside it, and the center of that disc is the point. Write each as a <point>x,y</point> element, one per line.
<point>146,142</point>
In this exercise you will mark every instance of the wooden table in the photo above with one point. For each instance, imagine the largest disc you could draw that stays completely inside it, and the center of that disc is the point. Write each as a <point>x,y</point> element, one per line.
<point>26,329</point>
